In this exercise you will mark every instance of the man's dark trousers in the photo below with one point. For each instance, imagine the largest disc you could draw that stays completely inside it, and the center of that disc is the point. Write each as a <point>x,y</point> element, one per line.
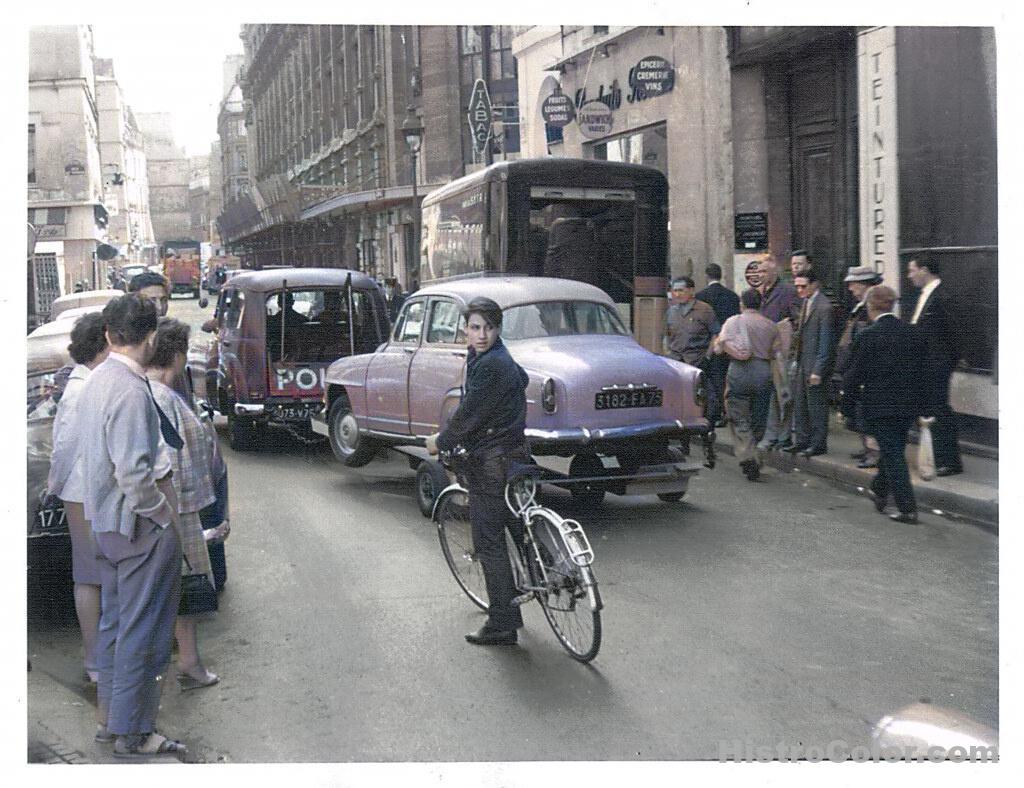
<point>945,435</point>
<point>715,369</point>
<point>140,592</point>
<point>810,415</point>
<point>893,476</point>
<point>490,516</point>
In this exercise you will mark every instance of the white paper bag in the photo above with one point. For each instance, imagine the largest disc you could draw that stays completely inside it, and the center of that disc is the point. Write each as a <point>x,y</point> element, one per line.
<point>925,453</point>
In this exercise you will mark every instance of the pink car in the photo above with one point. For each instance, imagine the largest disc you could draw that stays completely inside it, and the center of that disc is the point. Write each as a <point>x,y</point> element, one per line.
<point>595,395</point>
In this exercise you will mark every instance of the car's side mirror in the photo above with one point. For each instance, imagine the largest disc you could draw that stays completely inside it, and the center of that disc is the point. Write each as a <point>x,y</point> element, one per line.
<point>203,303</point>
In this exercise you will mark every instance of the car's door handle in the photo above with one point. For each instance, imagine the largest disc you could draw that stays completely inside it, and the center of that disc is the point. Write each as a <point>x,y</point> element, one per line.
<point>459,353</point>
<point>409,350</point>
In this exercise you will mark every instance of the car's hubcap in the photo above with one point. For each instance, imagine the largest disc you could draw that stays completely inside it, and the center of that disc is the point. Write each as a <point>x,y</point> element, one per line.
<point>348,432</point>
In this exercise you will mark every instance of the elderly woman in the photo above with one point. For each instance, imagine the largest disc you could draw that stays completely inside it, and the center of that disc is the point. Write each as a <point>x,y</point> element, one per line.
<point>88,348</point>
<point>193,482</point>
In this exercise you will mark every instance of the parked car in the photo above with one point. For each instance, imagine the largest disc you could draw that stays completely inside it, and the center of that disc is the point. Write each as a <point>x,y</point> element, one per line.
<point>84,299</point>
<point>595,395</point>
<point>276,332</point>
<point>49,541</point>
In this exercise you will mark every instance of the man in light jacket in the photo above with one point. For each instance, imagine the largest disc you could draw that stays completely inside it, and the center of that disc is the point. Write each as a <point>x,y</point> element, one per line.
<point>130,503</point>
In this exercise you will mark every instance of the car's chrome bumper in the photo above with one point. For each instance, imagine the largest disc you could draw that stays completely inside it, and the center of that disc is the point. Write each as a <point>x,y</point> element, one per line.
<point>580,437</point>
<point>318,423</point>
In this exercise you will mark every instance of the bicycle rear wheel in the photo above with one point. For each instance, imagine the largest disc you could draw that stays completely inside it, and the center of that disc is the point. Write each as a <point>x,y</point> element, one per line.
<point>569,595</point>
<point>455,533</point>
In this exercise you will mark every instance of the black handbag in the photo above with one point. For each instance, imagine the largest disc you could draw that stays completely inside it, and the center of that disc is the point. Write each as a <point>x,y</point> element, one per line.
<point>197,594</point>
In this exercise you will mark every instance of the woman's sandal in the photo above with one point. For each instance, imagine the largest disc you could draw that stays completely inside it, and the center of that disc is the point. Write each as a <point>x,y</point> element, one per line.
<point>146,745</point>
<point>186,681</point>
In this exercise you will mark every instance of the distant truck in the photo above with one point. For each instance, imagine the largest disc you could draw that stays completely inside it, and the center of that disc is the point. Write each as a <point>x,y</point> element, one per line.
<point>181,266</point>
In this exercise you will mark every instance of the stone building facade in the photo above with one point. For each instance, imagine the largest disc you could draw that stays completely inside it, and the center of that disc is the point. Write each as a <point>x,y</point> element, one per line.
<point>65,173</point>
<point>169,177</point>
<point>125,180</point>
<point>331,170</point>
<point>783,138</point>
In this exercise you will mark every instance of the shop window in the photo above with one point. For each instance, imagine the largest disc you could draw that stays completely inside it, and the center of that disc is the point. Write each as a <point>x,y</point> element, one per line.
<point>647,146</point>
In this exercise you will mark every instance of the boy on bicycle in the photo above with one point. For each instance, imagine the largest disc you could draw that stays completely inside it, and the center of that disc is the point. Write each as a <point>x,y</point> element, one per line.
<point>489,424</point>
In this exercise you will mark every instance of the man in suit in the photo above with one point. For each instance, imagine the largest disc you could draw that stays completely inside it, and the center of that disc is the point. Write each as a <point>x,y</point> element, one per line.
<point>780,302</point>
<point>725,304</point>
<point>129,500</point>
<point>933,317</point>
<point>885,369</point>
<point>812,352</point>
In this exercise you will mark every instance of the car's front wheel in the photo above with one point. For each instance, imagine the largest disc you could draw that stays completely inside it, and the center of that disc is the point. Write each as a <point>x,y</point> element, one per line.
<point>351,448</point>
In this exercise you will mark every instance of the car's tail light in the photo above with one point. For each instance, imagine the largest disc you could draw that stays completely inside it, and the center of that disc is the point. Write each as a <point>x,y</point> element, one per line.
<point>547,396</point>
<point>699,393</point>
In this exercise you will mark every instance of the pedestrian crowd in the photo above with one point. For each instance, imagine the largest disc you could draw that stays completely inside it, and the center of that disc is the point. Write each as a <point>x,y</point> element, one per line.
<point>145,492</point>
<point>774,360</point>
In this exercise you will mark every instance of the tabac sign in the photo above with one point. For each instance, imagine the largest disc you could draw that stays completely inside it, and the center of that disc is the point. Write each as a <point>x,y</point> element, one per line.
<point>480,115</point>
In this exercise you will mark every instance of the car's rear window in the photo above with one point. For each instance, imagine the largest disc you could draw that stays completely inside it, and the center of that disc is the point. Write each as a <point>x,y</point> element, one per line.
<point>560,318</point>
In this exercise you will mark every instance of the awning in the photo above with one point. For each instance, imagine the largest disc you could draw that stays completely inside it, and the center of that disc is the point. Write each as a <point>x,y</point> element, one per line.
<point>584,53</point>
<point>371,199</point>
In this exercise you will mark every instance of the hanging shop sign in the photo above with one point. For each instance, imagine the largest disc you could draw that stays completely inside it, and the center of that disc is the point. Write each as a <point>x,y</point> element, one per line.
<point>652,76</point>
<point>595,120</point>
<point>558,110</point>
<point>480,115</point>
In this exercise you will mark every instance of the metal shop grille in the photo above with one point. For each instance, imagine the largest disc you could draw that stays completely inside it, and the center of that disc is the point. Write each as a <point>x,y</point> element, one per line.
<point>47,281</point>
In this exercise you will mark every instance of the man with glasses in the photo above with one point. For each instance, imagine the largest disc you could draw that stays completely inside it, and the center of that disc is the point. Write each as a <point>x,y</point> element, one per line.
<point>812,352</point>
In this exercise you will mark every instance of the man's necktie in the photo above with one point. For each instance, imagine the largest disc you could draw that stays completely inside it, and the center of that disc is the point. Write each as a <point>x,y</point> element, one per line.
<point>171,436</point>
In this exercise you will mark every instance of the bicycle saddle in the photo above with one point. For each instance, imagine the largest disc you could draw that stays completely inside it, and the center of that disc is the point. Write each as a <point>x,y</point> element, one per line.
<point>523,470</point>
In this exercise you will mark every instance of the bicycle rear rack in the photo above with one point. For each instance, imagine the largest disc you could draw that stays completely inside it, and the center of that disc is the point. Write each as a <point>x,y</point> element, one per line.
<point>576,542</point>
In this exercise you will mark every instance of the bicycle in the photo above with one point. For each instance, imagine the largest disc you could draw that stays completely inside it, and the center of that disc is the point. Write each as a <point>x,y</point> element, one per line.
<point>553,566</point>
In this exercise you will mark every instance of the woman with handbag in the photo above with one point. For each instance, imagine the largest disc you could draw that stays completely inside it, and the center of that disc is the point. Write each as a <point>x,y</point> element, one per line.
<point>751,341</point>
<point>193,482</point>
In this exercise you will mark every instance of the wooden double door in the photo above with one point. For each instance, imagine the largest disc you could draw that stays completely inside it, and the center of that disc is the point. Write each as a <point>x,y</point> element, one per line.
<point>822,94</point>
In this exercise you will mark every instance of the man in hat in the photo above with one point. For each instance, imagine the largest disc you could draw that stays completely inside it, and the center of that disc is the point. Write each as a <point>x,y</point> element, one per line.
<point>858,280</point>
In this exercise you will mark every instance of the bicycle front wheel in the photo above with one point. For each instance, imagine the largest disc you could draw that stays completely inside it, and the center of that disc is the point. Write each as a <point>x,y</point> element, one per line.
<point>455,533</point>
<point>569,595</point>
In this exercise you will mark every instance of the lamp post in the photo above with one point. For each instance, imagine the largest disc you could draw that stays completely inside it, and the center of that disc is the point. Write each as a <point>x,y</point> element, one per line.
<point>412,129</point>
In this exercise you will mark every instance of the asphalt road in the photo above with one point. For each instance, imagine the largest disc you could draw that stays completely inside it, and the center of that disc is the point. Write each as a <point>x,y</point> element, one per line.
<point>782,611</point>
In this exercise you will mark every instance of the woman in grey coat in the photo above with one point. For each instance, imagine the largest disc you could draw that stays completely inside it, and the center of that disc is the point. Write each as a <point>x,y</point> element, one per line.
<point>88,349</point>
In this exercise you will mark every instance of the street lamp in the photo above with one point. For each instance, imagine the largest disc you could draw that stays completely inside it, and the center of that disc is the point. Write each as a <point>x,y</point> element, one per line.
<point>412,129</point>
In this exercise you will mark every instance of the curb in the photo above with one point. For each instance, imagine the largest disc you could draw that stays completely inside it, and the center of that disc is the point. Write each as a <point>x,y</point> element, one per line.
<point>981,511</point>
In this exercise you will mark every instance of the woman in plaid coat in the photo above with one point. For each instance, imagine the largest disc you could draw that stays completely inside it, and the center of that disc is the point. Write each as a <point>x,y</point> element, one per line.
<point>193,483</point>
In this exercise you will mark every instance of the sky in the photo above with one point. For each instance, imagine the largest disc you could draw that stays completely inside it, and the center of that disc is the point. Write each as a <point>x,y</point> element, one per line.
<point>186,81</point>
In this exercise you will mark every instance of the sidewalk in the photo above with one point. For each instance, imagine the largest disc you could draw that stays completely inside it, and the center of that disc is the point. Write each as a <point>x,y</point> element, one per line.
<point>973,494</point>
<point>62,715</point>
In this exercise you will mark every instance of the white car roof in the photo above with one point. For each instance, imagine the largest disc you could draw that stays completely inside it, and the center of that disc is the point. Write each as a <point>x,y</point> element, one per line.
<point>512,290</point>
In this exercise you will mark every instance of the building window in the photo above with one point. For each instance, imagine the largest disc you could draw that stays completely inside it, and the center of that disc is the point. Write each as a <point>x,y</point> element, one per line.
<point>31,152</point>
<point>646,146</point>
<point>599,30</point>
